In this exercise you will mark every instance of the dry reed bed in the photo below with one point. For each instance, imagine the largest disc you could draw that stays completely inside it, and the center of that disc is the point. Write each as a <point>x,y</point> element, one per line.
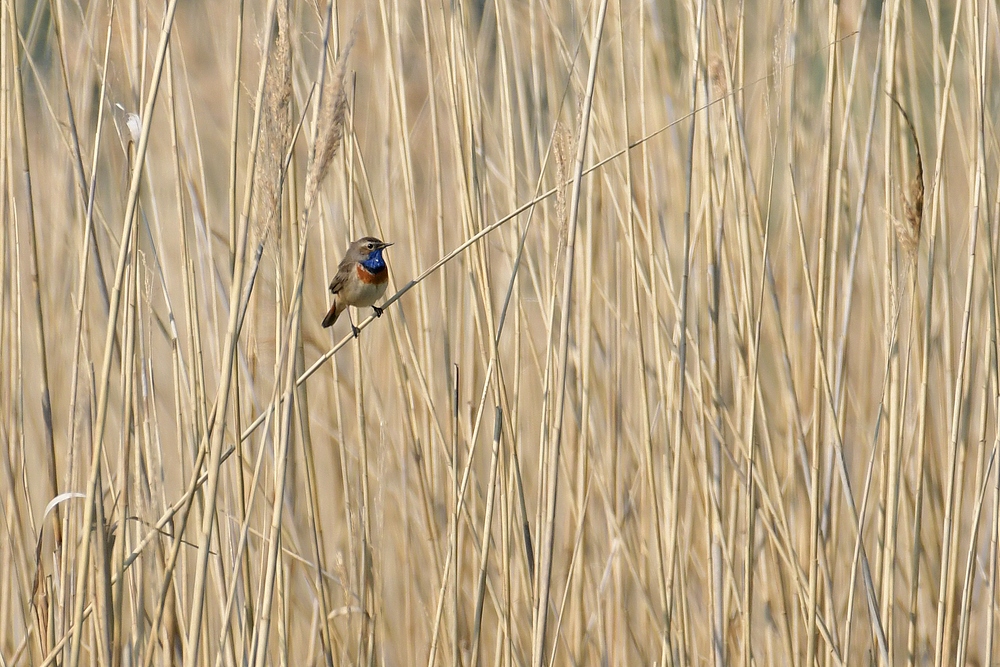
<point>691,356</point>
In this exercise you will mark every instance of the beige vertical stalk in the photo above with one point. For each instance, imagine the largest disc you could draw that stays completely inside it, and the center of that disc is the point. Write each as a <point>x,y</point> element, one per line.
<point>547,540</point>
<point>194,632</point>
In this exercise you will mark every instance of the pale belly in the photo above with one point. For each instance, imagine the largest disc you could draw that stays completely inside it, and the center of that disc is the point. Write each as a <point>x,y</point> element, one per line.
<point>361,295</point>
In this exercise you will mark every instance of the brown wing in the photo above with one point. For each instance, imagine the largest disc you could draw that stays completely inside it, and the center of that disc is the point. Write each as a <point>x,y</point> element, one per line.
<point>343,273</point>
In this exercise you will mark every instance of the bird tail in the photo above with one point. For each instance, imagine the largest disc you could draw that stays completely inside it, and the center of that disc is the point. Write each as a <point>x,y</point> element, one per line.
<point>332,314</point>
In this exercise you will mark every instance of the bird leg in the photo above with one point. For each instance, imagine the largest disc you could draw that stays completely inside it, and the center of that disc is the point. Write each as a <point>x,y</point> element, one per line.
<point>378,311</point>
<point>356,331</point>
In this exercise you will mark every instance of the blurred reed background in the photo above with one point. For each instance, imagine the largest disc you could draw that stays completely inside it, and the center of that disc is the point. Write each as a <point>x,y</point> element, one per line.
<point>690,355</point>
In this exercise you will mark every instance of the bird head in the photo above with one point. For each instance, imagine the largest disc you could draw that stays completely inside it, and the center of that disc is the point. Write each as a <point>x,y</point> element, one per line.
<point>368,251</point>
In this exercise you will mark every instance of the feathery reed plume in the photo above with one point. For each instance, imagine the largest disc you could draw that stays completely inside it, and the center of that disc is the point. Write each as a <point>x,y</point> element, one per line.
<point>276,123</point>
<point>330,124</point>
<point>561,148</point>
<point>908,229</point>
<point>564,147</point>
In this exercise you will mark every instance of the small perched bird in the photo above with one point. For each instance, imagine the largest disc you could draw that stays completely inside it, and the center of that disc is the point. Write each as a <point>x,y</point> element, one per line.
<point>360,281</point>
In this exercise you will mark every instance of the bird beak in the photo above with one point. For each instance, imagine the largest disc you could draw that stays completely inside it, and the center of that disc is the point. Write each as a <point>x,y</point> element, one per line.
<point>384,245</point>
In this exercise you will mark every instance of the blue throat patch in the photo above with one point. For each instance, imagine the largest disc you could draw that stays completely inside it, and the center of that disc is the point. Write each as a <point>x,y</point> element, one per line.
<point>375,263</point>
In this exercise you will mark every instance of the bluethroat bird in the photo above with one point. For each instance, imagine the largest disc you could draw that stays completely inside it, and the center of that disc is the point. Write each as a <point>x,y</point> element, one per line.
<point>360,281</point>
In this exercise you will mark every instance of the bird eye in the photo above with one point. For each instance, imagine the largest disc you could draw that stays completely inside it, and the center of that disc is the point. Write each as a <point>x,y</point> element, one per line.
<point>371,245</point>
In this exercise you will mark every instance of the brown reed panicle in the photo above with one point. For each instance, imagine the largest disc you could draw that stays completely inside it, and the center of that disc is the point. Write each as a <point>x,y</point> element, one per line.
<point>330,124</point>
<point>908,229</point>
<point>276,124</point>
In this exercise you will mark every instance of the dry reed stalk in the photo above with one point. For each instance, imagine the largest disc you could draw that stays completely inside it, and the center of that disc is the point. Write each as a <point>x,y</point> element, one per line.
<point>982,484</point>
<point>823,382</point>
<point>38,284</point>
<point>635,252</point>
<point>676,633</point>
<point>548,528</point>
<point>398,88</point>
<point>943,93</point>
<point>259,642</point>
<point>82,283</point>
<point>821,316</point>
<point>230,343</point>
<point>994,364</point>
<point>84,550</point>
<point>487,533</point>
